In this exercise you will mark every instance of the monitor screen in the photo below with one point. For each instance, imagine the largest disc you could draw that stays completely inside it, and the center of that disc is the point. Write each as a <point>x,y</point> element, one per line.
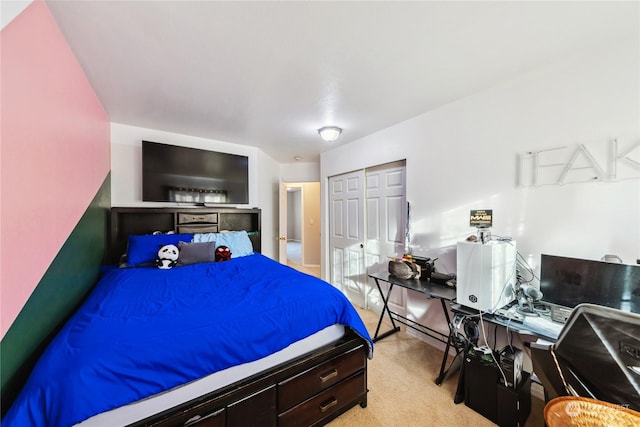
<point>572,281</point>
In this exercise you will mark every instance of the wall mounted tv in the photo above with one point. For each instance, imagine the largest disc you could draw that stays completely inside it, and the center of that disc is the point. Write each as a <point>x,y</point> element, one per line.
<point>172,173</point>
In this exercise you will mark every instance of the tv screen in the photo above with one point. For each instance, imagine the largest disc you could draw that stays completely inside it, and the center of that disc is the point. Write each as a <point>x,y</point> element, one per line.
<point>172,173</point>
<point>572,281</point>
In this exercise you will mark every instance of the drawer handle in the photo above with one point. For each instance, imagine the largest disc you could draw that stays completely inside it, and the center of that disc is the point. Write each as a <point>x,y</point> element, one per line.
<point>328,404</point>
<point>192,420</point>
<point>326,377</point>
<point>197,418</point>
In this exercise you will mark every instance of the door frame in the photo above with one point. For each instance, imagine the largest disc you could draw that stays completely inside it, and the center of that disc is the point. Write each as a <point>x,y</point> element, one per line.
<point>282,223</point>
<point>283,218</point>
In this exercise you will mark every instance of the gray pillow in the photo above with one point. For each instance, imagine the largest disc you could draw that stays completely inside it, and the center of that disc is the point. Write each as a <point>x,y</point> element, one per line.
<point>193,253</point>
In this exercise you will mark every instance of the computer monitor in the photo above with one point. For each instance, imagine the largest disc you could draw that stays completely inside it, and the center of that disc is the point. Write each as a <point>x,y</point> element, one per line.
<point>572,281</point>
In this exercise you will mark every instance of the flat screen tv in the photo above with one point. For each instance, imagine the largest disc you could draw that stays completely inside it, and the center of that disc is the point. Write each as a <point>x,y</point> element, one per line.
<point>172,173</point>
<point>572,281</point>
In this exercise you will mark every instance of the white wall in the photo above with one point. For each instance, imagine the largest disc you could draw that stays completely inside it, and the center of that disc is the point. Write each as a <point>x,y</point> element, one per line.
<point>268,186</point>
<point>126,172</point>
<point>300,172</point>
<point>311,223</point>
<point>464,156</point>
<point>11,9</point>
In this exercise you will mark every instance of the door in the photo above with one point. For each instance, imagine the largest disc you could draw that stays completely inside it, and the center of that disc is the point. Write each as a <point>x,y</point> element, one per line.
<point>346,235</point>
<point>386,220</point>
<point>282,224</point>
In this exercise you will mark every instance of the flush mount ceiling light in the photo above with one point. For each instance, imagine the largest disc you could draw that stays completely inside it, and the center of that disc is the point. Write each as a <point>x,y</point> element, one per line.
<point>329,133</point>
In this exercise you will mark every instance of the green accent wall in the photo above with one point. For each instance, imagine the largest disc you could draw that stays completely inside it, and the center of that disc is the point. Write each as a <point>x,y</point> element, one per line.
<point>72,274</point>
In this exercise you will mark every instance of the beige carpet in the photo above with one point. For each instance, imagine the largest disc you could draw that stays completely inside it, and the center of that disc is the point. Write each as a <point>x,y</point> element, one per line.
<point>402,391</point>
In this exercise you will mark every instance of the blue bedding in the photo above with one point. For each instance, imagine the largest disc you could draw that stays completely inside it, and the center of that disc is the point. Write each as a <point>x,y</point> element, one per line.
<point>144,330</point>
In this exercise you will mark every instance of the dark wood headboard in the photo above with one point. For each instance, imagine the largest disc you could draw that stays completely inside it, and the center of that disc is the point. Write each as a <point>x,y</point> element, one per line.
<point>126,221</point>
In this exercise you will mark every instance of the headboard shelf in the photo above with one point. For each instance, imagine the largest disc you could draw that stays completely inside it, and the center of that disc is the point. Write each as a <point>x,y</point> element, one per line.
<point>125,221</point>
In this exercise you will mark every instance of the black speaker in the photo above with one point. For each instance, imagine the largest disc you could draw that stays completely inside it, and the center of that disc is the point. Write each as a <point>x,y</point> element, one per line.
<point>471,330</point>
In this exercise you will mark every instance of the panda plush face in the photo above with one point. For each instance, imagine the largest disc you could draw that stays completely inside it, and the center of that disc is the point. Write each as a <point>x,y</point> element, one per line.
<point>168,252</point>
<point>223,253</point>
<point>167,257</point>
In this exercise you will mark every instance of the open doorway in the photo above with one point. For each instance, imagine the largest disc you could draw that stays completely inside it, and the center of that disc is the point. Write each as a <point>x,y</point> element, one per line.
<point>300,226</point>
<point>294,226</point>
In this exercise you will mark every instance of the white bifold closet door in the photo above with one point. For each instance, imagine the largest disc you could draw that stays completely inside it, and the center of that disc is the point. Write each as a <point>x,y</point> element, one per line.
<point>346,238</point>
<point>368,212</point>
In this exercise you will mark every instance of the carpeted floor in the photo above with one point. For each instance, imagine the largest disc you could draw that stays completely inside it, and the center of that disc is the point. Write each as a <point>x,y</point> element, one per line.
<point>402,391</point>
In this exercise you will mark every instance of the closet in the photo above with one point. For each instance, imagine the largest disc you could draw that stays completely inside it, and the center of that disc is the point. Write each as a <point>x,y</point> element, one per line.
<point>367,226</point>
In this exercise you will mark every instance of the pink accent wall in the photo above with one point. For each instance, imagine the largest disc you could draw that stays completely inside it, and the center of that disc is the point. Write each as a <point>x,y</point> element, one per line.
<point>55,152</point>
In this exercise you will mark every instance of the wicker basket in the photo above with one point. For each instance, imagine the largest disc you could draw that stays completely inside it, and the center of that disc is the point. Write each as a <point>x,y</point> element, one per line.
<point>584,412</point>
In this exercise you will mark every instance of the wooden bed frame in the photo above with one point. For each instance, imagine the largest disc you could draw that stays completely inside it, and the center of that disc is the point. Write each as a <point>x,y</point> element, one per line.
<point>310,390</point>
<point>127,221</point>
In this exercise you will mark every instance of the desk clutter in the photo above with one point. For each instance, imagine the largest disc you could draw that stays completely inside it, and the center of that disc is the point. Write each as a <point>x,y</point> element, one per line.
<point>582,315</point>
<point>541,323</point>
<point>421,268</point>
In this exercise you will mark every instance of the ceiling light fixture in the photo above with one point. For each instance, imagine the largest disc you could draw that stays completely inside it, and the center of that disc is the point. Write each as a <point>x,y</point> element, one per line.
<point>329,133</point>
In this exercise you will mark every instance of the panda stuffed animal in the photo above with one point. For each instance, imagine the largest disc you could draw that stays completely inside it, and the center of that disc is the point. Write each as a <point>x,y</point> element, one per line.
<point>167,257</point>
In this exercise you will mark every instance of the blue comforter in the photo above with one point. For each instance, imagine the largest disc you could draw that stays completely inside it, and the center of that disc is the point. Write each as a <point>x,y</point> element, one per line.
<point>144,330</point>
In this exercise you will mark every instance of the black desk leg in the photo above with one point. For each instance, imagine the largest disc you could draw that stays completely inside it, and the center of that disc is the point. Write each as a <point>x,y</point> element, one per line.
<point>385,309</point>
<point>457,360</point>
<point>459,396</point>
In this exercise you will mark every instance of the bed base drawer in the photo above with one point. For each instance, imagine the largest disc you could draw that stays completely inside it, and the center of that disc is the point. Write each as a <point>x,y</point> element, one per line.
<point>302,386</point>
<point>255,401</point>
<point>327,405</point>
<point>199,416</point>
<point>258,409</point>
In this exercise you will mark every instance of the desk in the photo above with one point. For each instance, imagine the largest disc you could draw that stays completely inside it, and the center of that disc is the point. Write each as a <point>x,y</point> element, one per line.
<point>431,290</point>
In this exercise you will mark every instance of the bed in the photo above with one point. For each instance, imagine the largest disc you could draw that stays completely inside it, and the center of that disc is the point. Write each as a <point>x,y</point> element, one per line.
<point>242,342</point>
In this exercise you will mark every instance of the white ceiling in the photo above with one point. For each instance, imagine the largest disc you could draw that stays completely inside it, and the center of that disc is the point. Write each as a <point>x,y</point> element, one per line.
<point>269,74</point>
